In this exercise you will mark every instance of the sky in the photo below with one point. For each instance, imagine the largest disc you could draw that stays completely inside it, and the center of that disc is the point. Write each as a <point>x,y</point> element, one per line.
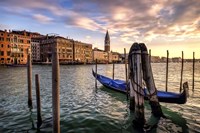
<point>162,25</point>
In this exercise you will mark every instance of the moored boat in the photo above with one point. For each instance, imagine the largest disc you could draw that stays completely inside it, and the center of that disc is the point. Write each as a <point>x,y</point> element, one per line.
<point>120,86</point>
<point>16,65</point>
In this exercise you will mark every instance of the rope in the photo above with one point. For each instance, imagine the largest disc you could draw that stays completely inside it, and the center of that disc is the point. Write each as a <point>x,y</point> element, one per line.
<point>136,53</point>
<point>145,94</point>
<point>137,86</point>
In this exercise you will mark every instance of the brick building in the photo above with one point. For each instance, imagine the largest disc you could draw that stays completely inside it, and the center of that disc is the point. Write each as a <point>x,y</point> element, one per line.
<point>100,55</point>
<point>35,49</point>
<point>82,52</point>
<point>14,46</point>
<point>69,51</point>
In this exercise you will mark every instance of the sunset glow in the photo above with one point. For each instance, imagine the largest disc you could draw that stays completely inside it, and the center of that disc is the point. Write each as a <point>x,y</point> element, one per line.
<point>172,25</point>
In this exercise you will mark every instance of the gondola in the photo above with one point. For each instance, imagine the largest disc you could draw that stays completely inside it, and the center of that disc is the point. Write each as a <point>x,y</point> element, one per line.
<point>16,65</point>
<point>120,86</point>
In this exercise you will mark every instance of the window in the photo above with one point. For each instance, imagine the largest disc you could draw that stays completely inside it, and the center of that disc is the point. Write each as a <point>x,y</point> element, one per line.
<point>2,45</point>
<point>15,39</point>
<point>1,39</point>
<point>8,53</point>
<point>2,53</point>
<point>21,41</point>
<point>8,39</point>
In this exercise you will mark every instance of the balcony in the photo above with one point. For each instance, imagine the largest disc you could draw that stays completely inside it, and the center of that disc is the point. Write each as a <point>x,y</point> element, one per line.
<point>16,50</point>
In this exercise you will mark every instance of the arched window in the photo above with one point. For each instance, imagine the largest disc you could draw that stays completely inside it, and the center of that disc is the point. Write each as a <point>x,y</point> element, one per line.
<point>15,39</point>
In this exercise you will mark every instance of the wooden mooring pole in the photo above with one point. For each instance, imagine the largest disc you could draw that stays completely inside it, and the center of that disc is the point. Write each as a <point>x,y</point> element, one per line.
<point>113,72</point>
<point>39,117</point>
<point>96,73</point>
<point>166,83</point>
<point>182,62</point>
<point>125,65</point>
<point>150,84</point>
<point>136,85</point>
<point>193,70</point>
<point>150,55</point>
<point>55,88</point>
<point>29,78</point>
<point>127,89</point>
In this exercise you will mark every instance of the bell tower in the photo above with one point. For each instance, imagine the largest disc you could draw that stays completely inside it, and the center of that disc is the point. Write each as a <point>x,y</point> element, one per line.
<point>107,42</point>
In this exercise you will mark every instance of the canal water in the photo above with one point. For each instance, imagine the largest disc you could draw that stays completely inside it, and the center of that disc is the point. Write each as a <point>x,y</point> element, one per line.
<point>85,109</point>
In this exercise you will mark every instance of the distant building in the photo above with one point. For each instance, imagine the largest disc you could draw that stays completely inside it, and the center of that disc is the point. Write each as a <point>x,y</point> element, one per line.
<point>65,48</point>
<point>35,48</point>
<point>116,57</point>
<point>82,52</point>
<point>69,51</point>
<point>14,46</point>
<point>176,59</point>
<point>155,59</point>
<point>100,55</point>
<point>163,59</point>
<point>123,58</point>
<point>106,56</point>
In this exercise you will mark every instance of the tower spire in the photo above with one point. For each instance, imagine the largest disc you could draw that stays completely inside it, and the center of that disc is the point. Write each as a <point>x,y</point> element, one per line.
<point>107,42</point>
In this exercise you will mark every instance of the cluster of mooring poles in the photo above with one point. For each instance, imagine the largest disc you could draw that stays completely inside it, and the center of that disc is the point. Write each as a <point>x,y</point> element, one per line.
<point>139,70</point>
<point>55,90</point>
<point>181,78</point>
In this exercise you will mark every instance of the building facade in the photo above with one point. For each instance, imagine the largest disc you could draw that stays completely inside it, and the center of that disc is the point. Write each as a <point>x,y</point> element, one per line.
<point>35,49</point>
<point>69,51</point>
<point>65,48</point>
<point>100,55</point>
<point>14,47</point>
<point>155,59</point>
<point>106,56</point>
<point>116,57</point>
<point>82,52</point>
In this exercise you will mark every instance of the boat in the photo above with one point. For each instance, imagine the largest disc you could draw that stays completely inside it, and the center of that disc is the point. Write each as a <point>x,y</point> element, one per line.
<point>120,86</point>
<point>16,65</point>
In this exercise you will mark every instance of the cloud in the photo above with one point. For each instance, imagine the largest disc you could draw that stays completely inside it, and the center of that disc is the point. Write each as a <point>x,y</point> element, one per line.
<point>42,19</point>
<point>175,20</point>
<point>4,26</point>
<point>130,20</point>
<point>88,37</point>
<point>83,22</point>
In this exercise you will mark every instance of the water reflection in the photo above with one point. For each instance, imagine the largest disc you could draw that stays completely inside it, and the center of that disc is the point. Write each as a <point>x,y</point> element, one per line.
<point>85,108</point>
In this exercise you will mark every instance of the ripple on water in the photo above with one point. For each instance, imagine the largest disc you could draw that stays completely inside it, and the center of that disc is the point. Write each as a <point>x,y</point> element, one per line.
<point>85,109</point>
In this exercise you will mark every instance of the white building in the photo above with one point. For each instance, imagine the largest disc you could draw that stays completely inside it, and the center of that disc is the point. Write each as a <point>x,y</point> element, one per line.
<point>35,48</point>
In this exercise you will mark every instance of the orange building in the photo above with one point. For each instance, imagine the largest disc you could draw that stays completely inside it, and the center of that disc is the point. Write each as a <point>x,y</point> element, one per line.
<point>82,52</point>
<point>14,47</point>
<point>100,55</point>
<point>65,48</point>
<point>69,51</point>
